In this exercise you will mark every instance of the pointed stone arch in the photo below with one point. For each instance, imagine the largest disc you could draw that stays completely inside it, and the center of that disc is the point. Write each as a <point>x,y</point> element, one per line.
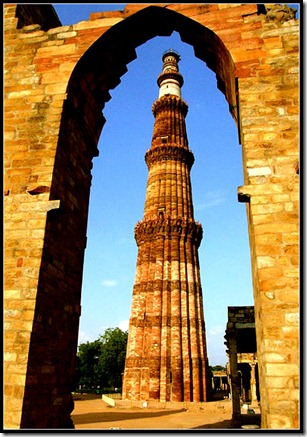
<point>106,60</point>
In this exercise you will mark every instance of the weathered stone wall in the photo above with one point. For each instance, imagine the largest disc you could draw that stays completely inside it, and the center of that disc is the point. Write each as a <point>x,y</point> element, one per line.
<point>269,129</point>
<point>57,81</point>
<point>241,315</point>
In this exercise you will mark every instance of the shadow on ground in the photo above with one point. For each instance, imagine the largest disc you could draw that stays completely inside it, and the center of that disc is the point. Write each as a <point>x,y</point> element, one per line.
<point>252,419</point>
<point>225,424</point>
<point>79,419</point>
<point>85,397</point>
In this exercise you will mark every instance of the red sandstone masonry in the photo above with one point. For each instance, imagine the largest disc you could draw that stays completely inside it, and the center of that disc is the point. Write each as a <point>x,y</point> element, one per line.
<point>166,353</point>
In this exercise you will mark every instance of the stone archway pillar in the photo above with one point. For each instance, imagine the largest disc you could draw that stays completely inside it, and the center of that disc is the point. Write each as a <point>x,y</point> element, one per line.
<point>235,381</point>
<point>253,384</point>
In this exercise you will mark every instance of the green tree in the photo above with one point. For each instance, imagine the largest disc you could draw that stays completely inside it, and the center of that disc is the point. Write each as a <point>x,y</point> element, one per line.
<point>87,364</point>
<point>112,356</point>
<point>217,367</point>
<point>102,362</point>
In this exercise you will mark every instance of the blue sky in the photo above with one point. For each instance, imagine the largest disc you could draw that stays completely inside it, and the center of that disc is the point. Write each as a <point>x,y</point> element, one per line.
<point>119,186</point>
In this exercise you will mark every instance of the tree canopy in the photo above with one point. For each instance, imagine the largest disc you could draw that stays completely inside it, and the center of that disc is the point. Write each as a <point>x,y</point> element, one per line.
<point>217,367</point>
<point>100,364</point>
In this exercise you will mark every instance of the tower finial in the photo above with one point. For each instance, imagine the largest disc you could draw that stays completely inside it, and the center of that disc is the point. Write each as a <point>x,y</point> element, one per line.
<point>170,80</point>
<point>171,52</point>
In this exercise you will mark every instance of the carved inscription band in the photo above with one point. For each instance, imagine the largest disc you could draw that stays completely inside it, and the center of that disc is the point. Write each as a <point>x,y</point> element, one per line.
<point>168,227</point>
<point>169,152</point>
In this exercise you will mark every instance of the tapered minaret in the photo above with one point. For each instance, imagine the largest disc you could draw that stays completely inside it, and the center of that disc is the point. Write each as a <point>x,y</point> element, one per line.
<point>166,353</point>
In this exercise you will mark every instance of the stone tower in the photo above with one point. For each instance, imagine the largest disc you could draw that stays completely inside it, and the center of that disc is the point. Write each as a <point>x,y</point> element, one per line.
<point>166,352</point>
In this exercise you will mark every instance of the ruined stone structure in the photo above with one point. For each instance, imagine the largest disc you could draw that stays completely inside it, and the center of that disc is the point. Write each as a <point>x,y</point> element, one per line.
<point>166,353</point>
<point>56,84</point>
<point>248,368</point>
<point>220,381</point>
<point>242,363</point>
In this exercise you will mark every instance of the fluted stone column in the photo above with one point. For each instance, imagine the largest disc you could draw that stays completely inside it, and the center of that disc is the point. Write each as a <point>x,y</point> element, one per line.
<point>166,352</point>
<point>235,379</point>
<point>253,384</point>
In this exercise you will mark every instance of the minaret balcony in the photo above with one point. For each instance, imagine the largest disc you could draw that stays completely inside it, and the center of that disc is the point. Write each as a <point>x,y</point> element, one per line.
<point>170,102</point>
<point>167,227</point>
<point>168,75</point>
<point>168,153</point>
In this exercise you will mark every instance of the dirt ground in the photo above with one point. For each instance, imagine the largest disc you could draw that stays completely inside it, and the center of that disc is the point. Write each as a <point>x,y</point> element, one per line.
<point>92,413</point>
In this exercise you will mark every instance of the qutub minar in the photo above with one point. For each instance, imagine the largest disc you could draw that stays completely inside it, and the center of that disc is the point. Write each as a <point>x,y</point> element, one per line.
<point>166,353</point>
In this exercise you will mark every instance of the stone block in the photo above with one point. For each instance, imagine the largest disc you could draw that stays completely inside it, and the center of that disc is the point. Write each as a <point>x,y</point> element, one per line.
<point>56,50</point>
<point>283,369</point>
<point>266,261</point>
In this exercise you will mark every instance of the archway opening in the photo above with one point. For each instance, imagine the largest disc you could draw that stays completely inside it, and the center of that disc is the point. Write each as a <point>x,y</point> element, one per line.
<point>96,74</point>
<point>118,193</point>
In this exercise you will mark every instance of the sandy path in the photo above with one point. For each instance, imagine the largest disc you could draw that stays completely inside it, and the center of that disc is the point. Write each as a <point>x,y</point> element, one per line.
<point>96,414</point>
